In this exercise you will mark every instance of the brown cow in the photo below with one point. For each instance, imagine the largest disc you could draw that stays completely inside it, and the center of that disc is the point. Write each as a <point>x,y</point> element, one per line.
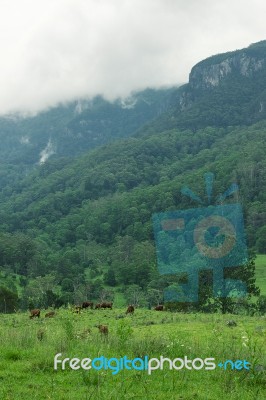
<point>107,305</point>
<point>159,307</point>
<point>50,314</point>
<point>35,313</point>
<point>104,304</point>
<point>130,310</point>
<point>87,304</point>
<point>103,329</point>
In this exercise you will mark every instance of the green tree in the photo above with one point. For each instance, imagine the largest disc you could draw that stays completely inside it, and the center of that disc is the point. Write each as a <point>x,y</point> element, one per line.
<point>245,273</point>
<point>135,295</point>
<point>8,300</point>
<point>261,240</point>
<point>109,277</point>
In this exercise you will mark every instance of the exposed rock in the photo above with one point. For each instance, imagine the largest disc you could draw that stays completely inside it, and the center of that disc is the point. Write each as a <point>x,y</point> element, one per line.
<point>207,76</point>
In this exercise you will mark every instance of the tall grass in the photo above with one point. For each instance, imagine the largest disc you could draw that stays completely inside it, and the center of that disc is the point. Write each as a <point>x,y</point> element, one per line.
<point>26,364</point>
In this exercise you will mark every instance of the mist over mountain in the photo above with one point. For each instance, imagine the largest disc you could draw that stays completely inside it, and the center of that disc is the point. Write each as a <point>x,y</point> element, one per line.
<point>71,129</point>
<point>223,90</point>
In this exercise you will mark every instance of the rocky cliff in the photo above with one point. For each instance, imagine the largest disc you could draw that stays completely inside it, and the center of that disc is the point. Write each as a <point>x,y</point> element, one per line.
<point>213,70</point>
<point>231,80</point>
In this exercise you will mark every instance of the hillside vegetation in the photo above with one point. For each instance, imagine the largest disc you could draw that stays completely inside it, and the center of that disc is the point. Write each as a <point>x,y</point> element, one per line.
<point>92,218</point>
<point>76,228</point>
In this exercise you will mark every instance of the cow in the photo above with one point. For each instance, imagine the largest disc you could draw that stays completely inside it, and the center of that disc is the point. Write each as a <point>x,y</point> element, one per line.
<point>107,305</point>
<point>130,310</point>
<point>159,307</point>
<point>40,334</point>
<point>35,313</point>
<point>50,314</point>
<point>104,304</point>
<point>87,304</point>
<point>103,329</point>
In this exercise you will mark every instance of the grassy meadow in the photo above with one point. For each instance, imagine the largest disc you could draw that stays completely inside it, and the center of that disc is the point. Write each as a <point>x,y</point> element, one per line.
<point>261,272</point>
<point>28,348</point>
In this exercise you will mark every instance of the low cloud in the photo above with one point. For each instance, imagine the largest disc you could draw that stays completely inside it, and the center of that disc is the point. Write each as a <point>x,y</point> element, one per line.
<point>58,51</point>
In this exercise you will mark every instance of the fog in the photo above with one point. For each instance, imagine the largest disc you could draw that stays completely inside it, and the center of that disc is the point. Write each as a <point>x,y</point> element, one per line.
<point>57,51</point>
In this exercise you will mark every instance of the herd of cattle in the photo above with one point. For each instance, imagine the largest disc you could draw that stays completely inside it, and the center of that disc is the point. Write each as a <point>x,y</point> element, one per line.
<point>88,304</point>
<point>103,329</point>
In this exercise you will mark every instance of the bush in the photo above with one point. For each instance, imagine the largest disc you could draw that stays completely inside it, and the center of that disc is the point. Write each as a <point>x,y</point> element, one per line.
<point>261,304</point>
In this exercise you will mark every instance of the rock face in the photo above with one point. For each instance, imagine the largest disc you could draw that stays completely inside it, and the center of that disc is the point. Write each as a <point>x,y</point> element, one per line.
<point>209,76</point>
<point>242,65</point>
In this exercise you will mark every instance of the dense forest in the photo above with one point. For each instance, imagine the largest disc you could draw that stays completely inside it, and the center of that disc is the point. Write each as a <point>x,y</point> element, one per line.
<point>76,228</point>
<point>74,128</point>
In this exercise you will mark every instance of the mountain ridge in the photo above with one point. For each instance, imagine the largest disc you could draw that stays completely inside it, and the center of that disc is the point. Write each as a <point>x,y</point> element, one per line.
<point>237,77</point>
<point>223,90</point>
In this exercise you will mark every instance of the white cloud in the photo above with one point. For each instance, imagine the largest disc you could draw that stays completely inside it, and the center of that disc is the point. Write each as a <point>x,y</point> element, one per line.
<point>58,50</point>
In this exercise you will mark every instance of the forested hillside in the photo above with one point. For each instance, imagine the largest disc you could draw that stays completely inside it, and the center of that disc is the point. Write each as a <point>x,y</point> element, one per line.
<point>78,228</point>
<point>71,129</point>
<point>74,128</point>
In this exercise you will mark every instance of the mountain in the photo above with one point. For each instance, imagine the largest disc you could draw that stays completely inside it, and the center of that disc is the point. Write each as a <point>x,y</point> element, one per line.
<point>223,90</point>
<point>86,222</point>
<point>71,129</point>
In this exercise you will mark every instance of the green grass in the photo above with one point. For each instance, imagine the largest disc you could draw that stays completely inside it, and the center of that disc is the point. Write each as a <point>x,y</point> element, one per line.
<point>261,272</point>
<point>28,348</point>
<point>26,363</point>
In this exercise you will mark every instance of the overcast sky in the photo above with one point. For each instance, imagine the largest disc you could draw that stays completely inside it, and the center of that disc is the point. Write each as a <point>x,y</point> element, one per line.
<point>58,50</point>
